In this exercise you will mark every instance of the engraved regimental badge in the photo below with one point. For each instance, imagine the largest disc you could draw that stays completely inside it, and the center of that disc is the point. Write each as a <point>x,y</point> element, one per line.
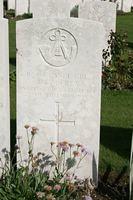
<point>60,47</point>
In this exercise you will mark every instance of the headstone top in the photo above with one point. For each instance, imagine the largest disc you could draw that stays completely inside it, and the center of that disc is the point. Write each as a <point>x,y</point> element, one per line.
<point>1,9</point>
<point>102,11</point>
<point>50,8</point>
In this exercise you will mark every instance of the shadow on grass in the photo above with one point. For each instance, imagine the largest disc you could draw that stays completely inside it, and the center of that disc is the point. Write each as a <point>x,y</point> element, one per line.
<point>117,140</point>
<point>130,45</point>
<point>13,61</point>
<point>13,137</point>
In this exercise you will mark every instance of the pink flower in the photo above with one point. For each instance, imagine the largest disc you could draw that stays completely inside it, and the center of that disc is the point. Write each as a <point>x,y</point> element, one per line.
<point>71,145</point>
<point>76,153</point>
<point>40,195</point>
<point>85,151</point>
<point>63,145</point>
<point>48,188</point>
<point>88,198</point>
<point>79,145</point>
<point>57,188</point>
<point>34,130</point>
<point>65,148</point>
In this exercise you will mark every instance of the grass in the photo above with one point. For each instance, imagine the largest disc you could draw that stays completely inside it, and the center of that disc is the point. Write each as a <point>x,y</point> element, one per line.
<point>125,24</point>
<point>116,110</point>
<point>12,52</point>
<point>116,129</point>
<point>12,45</point>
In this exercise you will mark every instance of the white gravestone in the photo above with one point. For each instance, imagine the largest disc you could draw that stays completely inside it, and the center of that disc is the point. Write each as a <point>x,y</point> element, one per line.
<point>1,9</point>
<point>22,6</point>
<point>127,4</point>
<point>124,5</point>
<point>102,11</point>
<point>11,4</point>
<point>41,8</point>
<point>4,84</point>
<point>119,4</point>
<point>59,64</point>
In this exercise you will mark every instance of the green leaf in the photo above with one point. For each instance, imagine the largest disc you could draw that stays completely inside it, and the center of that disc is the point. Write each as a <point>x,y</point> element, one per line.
<point>70,162</point>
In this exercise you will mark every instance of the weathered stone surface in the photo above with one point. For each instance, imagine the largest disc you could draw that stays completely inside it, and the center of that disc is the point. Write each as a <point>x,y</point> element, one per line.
<point>22,6</point>
<point>50,8</point>
<point>75,2</point>
<point>4,86</point>
<point>102,11</point>
<point>11,4</point>
<point>1,9</point>
<point>124,5</point>
<point>59,64</point>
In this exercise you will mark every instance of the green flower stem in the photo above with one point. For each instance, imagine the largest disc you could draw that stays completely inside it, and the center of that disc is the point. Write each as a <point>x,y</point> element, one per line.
<point>53,152</point>
<point>20,153</point>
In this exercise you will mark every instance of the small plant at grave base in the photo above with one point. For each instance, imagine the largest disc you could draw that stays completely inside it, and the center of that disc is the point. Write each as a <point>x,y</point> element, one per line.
<point>45,177</point>
<point>10,14</point>
<point>13,76</point>
<point>118,63</point>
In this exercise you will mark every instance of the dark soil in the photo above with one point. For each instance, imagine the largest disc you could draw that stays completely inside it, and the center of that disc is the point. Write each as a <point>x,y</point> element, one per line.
<point>106,192</point>
<point>112,186</point>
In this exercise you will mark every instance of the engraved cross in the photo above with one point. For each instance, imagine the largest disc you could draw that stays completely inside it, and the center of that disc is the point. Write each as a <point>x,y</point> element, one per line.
<point>59,49</point>
<point>58,120</point>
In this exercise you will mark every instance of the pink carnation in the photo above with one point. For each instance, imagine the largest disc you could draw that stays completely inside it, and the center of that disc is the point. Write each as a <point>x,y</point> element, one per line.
<point>57,187</point>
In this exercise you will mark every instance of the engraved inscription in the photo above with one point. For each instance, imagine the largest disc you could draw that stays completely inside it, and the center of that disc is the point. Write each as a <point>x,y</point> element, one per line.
<point>60,47</point>
<point>62,85</point>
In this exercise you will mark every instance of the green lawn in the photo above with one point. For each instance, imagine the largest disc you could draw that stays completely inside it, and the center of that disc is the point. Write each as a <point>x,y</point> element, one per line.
<point>12,51</point>
<point>12,45</point>
<point>125,24</point>
<point>116,129</point>
<point>116,110</point>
